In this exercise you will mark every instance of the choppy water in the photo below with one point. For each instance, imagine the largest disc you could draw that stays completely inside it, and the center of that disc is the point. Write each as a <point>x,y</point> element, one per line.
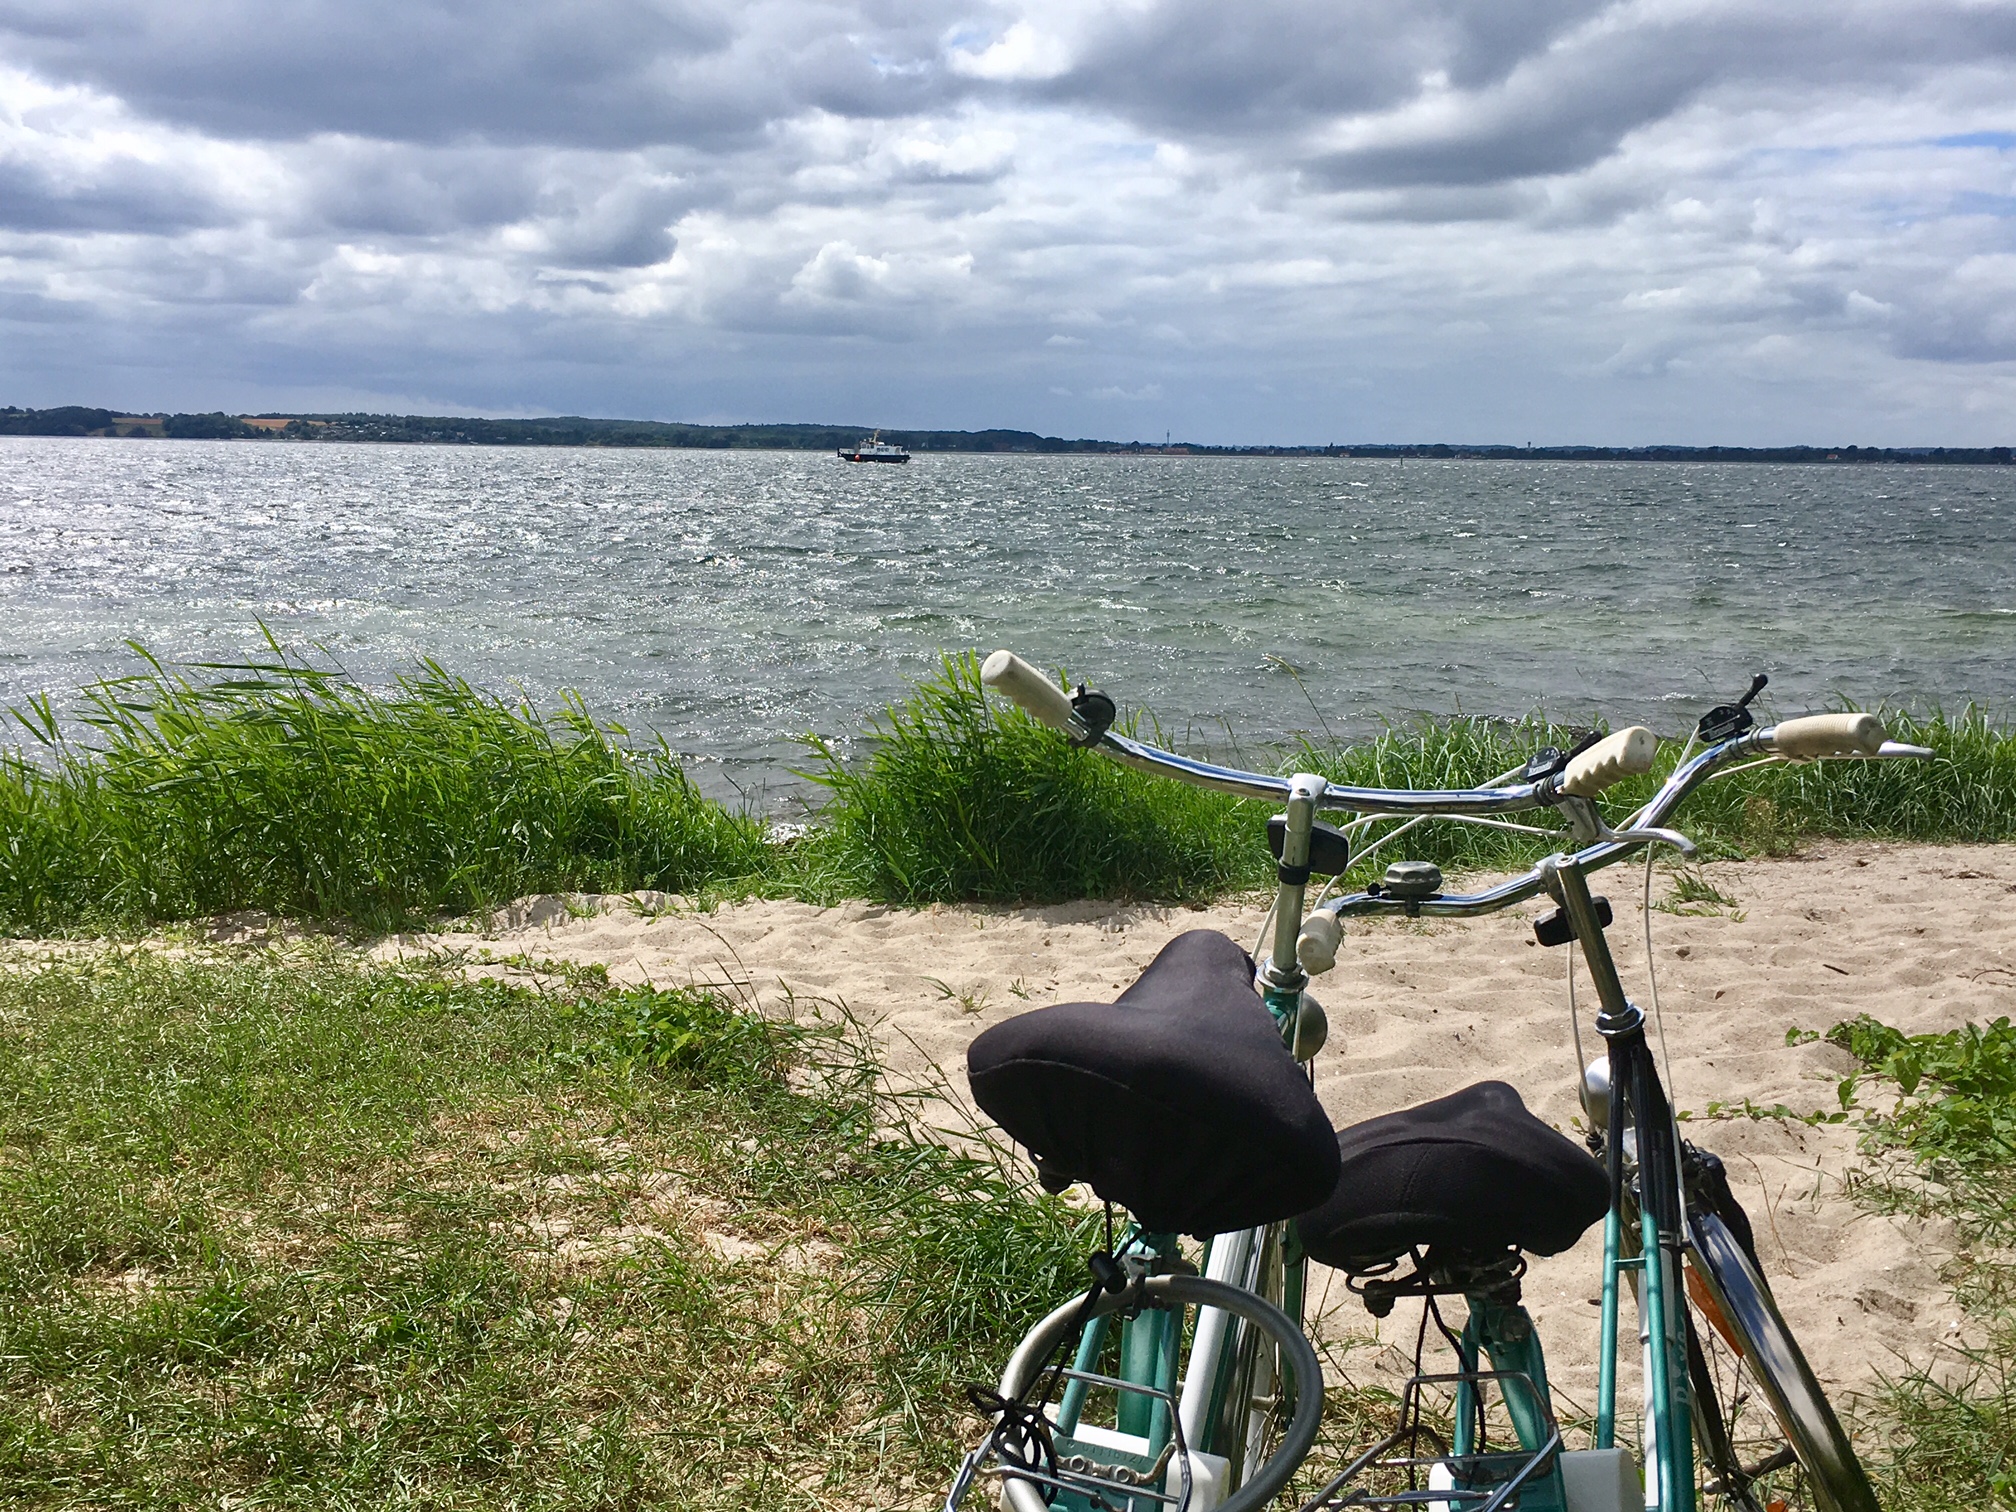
<point>733,600</point>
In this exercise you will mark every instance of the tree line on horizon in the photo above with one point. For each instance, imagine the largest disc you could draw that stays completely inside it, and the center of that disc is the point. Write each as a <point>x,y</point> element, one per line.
<point>575,430</point>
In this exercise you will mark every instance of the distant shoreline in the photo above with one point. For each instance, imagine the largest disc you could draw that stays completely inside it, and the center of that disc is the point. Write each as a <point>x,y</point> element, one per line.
<point>574,430</point>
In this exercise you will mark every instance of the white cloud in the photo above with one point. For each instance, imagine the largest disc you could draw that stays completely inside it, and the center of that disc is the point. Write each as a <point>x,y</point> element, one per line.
<point>1020,53</point>
<point>979,155</point>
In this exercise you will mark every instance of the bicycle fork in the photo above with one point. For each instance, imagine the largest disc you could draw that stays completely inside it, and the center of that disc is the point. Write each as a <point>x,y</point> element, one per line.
<point>1654,1251</point>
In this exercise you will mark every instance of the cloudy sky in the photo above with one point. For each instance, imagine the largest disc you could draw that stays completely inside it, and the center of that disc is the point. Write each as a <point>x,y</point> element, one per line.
<point>1237,220</point>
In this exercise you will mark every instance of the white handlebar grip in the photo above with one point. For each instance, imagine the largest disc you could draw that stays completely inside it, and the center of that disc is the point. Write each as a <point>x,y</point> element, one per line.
<point>1613,758</point>
<point>1820,735</point>
<point>1007,674</point>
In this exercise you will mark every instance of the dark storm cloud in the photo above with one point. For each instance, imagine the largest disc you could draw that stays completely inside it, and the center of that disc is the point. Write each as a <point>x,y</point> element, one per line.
<point>601,73</point>
<point>1277,65</point>
<point>1573,104</point>
<point>588,210</point>
<point>123,196</point>
<point>361,187</point>
<point>1444,92</point>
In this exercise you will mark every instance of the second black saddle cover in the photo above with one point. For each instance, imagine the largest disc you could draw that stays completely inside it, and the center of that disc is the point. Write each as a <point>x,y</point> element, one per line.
<point>1178,1102</point>
<point>1473,1172</point>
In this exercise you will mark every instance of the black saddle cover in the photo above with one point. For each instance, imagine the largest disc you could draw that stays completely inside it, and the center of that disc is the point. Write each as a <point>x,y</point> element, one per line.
<point>1178,1102</point>
<point>1472,1172</point>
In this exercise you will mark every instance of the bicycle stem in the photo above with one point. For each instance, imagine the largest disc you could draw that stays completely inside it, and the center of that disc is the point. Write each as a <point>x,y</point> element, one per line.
<point>1565,881</point>
<point>1282,973</point>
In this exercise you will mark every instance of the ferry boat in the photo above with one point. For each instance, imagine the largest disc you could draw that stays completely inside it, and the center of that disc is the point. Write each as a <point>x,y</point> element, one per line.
<point>874,449</point>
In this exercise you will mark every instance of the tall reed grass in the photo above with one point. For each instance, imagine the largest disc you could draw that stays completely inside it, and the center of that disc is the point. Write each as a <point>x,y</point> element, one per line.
<point>1968,793</point>
<point>285,787</point>
<point>282,786</point>
<point>963,797</point>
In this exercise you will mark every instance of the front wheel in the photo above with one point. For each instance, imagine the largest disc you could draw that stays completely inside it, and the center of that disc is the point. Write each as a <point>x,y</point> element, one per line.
<point>1789,1448</point>
<point>1275,1337</point>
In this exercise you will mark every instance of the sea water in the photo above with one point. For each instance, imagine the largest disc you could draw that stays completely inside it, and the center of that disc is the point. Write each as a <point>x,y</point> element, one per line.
<point>733,601</point>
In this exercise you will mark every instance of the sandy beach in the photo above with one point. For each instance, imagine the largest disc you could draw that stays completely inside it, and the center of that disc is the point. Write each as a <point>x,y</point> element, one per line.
<point>1923,937</point>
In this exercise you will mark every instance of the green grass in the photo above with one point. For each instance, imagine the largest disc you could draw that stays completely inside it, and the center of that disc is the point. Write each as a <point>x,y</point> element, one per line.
<point>1967,794</point>
<point>964,797</point>
<point>284,787</point>
<point>291,1231</point>
<point>1942,1138</point>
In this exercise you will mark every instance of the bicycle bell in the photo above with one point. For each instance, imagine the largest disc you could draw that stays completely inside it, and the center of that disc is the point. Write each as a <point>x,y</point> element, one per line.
<point>1312,1029</point>
<point>1413,879</point>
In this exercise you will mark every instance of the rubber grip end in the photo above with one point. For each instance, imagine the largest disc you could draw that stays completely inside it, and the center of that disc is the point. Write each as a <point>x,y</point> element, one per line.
<point>1028,689</point>
<point>1818,735</point>
<point>1626,753</point>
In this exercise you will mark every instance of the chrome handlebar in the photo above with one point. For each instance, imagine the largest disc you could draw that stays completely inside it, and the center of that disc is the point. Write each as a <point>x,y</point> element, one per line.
<point>1848,736</point>
<point>1510,799</point>
<point>1358,800</point>
<point>1643,828</point>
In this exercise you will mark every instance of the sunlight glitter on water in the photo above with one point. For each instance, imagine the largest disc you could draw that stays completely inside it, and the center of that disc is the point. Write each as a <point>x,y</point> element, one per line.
<point>732,600</point>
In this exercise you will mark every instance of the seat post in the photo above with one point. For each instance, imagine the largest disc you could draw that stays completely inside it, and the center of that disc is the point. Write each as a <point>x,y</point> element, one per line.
<point>1501,1327</point>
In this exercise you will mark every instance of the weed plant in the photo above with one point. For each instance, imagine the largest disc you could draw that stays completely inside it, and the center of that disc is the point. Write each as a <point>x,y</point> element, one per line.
<point>1942,1131</point>
<point>284,787</point>
<point>289,1231</point>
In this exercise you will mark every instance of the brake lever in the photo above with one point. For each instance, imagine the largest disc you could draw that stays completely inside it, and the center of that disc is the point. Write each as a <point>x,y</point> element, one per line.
<point>1589,827</point>
<point>1649,835</point>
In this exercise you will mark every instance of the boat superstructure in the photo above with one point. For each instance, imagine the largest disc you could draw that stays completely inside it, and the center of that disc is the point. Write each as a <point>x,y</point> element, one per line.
<point>874,449</point>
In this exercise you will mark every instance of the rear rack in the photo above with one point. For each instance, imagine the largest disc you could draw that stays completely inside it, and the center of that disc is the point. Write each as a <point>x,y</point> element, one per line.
<point>1487,1481</point>
<point>1075,1473</point>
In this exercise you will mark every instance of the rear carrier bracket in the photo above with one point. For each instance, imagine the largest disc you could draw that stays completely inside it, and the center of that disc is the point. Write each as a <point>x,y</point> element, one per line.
<point>1096,1469</point>
<point>1394,1474</point>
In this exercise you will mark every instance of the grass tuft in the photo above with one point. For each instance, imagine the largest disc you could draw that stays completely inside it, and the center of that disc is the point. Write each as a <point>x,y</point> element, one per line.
<point>1943,1142</point>
<point>283,787</point>
<point>965,797</point>
<point>280,786</point>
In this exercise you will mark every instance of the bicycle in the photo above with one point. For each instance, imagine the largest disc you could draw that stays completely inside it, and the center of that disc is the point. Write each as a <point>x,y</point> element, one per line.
<point>1216,1395</point>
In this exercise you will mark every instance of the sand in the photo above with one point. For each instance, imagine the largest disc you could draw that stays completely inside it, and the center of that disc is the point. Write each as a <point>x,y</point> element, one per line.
<point>1922,937</point>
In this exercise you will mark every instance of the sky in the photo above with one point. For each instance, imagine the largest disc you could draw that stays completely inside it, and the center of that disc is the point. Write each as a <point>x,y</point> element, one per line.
<point>1555,221</point>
